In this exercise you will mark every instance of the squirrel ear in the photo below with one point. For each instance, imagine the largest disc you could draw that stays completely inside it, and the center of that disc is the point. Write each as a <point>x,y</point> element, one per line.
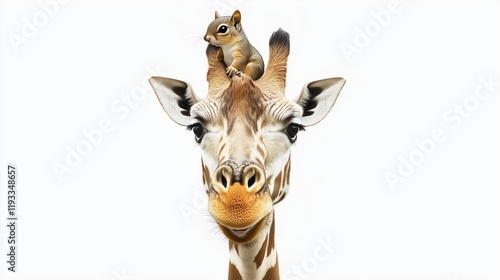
<point>217,15</point>
<point>236,18</point>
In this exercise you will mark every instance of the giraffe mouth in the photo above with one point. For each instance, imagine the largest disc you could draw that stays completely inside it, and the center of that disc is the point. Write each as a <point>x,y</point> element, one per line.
<point>243,235</point>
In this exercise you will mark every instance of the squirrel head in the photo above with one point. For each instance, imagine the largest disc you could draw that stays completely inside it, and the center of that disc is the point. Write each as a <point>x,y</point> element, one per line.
<point>224,29</point>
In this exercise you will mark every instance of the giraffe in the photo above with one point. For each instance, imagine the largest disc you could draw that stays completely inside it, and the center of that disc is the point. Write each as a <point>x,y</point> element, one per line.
<point>245,130</point>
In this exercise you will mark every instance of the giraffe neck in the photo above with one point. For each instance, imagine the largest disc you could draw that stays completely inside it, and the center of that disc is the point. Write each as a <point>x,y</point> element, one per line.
<point>256,260</point>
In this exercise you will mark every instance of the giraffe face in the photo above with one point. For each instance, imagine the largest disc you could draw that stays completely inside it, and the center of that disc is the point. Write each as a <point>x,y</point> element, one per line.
<point>245,137</point>
<point>245,130</point>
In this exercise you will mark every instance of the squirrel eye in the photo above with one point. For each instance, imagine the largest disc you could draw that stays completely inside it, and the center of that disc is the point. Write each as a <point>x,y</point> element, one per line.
<point>222,29</point>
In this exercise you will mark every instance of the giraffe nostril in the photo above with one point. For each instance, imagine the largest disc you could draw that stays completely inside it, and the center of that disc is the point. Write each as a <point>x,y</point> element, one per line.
<point>223,180</point>
<point>254,178</point>
<point>251,181</point>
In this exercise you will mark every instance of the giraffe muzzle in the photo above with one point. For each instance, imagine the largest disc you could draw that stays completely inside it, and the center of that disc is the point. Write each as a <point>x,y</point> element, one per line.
<point>239,200</point>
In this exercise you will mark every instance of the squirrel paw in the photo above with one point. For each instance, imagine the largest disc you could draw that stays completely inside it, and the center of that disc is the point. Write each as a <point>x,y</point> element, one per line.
<point>230,71</point>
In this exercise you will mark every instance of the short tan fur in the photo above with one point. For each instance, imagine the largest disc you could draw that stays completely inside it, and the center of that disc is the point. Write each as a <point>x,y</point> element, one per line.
<point>226,33</point>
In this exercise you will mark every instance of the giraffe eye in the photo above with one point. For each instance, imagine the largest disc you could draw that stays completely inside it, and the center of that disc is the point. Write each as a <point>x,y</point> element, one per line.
<point>198,131</point>
<point>292,130</point>
<point>222,29</point>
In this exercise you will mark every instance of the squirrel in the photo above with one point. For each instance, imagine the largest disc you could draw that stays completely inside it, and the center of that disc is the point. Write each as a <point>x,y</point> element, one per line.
<point>234,48</point>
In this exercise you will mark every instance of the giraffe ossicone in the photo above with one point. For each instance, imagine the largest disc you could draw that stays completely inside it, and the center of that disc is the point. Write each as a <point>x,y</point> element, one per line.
<point>245,130</point>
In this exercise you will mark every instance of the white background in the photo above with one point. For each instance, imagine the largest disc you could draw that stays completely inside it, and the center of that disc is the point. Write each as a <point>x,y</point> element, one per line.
<point>132,208</point>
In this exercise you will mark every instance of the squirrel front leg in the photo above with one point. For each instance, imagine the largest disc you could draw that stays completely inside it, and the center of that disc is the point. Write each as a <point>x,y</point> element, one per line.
<point>230,70</point>
<point>238,64</point>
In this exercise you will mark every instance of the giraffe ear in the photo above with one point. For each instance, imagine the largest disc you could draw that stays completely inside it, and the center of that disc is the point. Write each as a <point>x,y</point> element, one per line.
<point>176,97</point>
<point>317,98</point>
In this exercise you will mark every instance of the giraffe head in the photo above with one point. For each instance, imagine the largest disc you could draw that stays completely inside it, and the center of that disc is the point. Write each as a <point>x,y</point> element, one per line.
<point>245,129</point>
